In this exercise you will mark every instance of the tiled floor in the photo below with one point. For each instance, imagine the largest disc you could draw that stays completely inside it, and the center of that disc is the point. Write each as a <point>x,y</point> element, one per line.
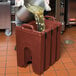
<point>65,66</point>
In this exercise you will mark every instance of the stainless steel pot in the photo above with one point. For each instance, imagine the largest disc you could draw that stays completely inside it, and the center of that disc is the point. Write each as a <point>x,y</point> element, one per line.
<point>24,15</point>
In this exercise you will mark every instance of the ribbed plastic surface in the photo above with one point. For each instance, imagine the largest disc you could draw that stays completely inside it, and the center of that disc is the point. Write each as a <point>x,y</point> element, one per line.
<point>42,48</point>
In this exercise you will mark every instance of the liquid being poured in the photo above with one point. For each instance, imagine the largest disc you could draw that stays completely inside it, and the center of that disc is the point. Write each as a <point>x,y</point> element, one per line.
<point>39,17</point>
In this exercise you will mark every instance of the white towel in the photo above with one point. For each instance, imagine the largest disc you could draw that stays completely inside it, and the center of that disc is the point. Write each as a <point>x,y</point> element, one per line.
<point>47,7</point>
<point>19,3</point>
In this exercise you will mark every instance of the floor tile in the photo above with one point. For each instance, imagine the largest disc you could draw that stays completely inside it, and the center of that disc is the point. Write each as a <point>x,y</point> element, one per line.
<point>3,41</point>
<point>11,63</point>
<point>11,44</point>
<point>10,70</point>
<point>59,66</point>
<point>70,49</point>
<point>12,58</point>
<point>12,41</point>
<point>4,48</point>
<point>2,64</point>
<point>33,74</point>
<point>72,54</point>
<point>11,48</point>
<point>3,44</point>
<point>70,66</point>
<point>12,74</point>
<point>2,58</point>
<point>1,74</point>
<point>49,73</point>
<point>74,59</point>
<point>64,55</point>
<point>3,53</point>
<point>24,69</point>
<point>50,68</point>
<point>24,74</point>
<point>11,52</point>
<point>62,73</point>
<point>66,60</point>
<point>2,70</point>
<point>72,72</point>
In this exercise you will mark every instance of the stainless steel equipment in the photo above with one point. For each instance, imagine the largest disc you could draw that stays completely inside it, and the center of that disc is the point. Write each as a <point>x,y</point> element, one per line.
<point>5,17</point>
<point>62,11</point>
<point>58,11</point>
<point>24,15</point>
<point>72,12</point>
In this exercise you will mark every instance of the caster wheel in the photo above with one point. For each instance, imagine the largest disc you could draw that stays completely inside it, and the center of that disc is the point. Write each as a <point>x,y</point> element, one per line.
<point>8,32</point>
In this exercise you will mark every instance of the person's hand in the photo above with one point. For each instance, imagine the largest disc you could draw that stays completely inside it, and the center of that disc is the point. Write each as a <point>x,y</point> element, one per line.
<point>19,3</point>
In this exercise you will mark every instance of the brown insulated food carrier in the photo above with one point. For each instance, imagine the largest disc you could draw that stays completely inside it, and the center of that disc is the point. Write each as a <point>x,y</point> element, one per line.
<point>42,48</point>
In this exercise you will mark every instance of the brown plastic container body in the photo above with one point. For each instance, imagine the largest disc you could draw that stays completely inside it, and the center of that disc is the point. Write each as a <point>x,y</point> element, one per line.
<point>58,40</point>
<point>55,41</point>
<point>47,43</point>
<point>42,48</point>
